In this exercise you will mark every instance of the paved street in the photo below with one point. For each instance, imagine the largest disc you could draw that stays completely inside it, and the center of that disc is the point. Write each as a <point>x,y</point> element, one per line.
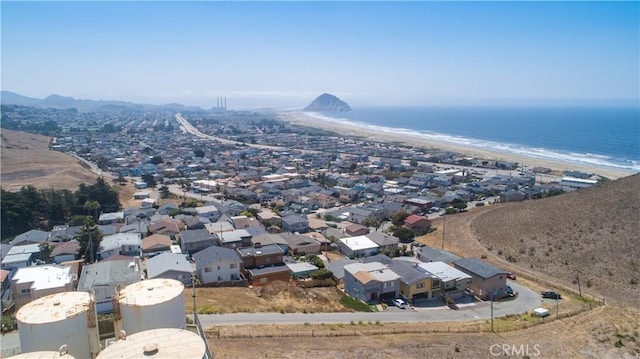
<point>526,301</point>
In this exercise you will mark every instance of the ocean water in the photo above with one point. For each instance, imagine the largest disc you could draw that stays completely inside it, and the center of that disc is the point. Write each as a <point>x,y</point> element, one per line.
<point>592,135</point>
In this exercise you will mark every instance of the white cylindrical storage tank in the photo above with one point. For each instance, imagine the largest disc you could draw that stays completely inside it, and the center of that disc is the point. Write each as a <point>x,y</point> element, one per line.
<point>43,355</point>
<point>67,318</point>
<point>152,304</point>
<point>166,343</point>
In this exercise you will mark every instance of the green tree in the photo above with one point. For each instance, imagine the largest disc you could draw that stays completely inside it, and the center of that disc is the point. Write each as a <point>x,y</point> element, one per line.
<point>398,218</point>
<point>372,222</point>
<point>45,251</point>
<point>89,239</point>
<point>164,191</point>
<point>315,260</point>
<point>322,273</point>
<point>149,179</point>
<point>198,153</point>
<point>92,208</point>
<point>404,234</point>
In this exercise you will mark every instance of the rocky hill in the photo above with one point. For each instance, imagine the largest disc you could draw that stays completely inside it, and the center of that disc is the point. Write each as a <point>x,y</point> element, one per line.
<point>591,234</point>
<point>328,103</point>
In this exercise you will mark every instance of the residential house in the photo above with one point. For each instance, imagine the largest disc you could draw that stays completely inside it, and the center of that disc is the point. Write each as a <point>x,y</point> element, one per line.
<point>166,227</point>
<point>108,275</point>
<point>360,215</point>
<point>171,266</point>
<point>262,276</point>
<point>209,212</point>
<point>266,239</point>
<point>167,208</point>
<point>5,283</point>
<point>429,254</point>
<point>244,222</point>
<point>126,244</point>
<point>300,245</point>
<point>64,233</point>
<point>301,269</point>
<point>269,218</point>
<point>217,264</point>
<point>418,224</point>
<point>231,208</point>
<point>337,268</point>
<point>111,218</point>
<point>359,246</point>
<point>237,238</point>
<point>370,282</point>
<point>21,256</point>
<point>386,242</point>
<point>155,244</point>
<point>453,282</point>
<point>414,283</point>
<point>355,230</point>
<point>33,236</point>
<point>192,241</point>
<point>261,256</point>
<point>487,282</point>
<point>65,251</point>
<point>295,223</point>
<point>38,281</point>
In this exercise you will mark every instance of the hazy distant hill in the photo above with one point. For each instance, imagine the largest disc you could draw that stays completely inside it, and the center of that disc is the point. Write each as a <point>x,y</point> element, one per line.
<point>328,103</point>
<point>593,233</point>
<point>62,102</point>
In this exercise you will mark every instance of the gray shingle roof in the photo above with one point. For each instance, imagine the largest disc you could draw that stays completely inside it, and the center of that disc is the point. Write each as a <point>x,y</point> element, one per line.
<point>109,272</point>
<point>437,255</point>
<point>478,267</point>
<point>408,273</point>
<point>214,254</point>
<point>166,262</point>
<point>195,235</point>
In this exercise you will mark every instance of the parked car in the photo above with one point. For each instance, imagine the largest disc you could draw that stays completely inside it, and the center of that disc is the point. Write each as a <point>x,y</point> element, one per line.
<point>508,290</point>
<point>400,303</point>
<point>511,276</point>
<point>551,294</point>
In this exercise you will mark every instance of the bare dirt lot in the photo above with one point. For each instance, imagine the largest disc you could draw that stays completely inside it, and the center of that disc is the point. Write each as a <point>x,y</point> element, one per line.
<point>278,297</point>
<point>25,159</point>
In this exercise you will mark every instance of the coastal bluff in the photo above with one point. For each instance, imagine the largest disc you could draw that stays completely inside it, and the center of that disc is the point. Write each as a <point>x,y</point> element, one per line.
<point>327,103</point>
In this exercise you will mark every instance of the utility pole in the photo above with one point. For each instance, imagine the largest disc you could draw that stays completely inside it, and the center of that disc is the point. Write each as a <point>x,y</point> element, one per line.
<point>579,288</point>
<point>492,293</point>
<point>444,225</point>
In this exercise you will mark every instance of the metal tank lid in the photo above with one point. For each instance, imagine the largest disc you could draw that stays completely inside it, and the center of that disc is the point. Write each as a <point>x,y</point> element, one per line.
<point>150,292</point>
<point>54,307</point>
<point>166,343</point>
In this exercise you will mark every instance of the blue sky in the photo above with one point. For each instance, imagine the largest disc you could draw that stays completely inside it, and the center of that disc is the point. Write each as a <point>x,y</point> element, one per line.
<point>274,54</point>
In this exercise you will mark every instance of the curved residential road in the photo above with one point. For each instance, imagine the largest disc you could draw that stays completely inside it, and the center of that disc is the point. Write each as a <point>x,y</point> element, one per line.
<point>526,301</point>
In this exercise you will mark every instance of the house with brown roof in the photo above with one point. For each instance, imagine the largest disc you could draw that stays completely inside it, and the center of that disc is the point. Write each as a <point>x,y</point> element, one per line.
<point>65,251</point>
<point>166,227</point>
<point>356,230</point>
<point>418,224</point>
<point>155,244</point>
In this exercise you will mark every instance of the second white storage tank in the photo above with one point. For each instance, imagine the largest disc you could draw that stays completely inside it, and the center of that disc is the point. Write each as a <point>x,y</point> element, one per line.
<point>150,304</point>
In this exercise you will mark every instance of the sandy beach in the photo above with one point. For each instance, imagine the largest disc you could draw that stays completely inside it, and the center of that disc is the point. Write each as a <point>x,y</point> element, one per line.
<point>361,131</point>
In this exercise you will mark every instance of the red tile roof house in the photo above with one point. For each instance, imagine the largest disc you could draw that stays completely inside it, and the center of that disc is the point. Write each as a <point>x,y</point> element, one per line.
<point>417,224</point>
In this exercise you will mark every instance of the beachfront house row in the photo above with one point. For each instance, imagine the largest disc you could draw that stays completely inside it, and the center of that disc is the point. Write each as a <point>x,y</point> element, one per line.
<point>370,282</point>
<point>487,281</point>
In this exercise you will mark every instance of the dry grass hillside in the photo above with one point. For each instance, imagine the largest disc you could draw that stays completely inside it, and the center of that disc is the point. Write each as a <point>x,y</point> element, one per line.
<point>593,233</point>
<point>25,159</point>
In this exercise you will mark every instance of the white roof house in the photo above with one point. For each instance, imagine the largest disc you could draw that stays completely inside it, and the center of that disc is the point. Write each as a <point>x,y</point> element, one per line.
<point>120,243</point>
<point>358,246</point>
<point>443,271</point>
<point>44,277</point>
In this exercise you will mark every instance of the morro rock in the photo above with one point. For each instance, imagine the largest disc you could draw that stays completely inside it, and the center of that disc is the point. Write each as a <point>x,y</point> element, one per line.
<point>328,103</point>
